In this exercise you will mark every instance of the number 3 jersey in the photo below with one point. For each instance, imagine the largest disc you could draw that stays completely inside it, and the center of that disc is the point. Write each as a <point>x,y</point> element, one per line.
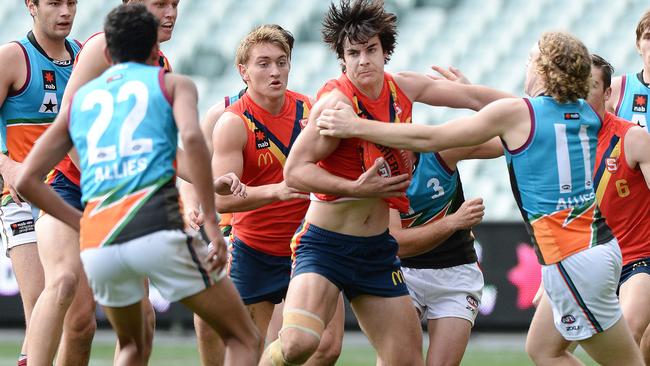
<point>122,126</point>
<point>622,193</point>
<point>434,193</point>
<point>551,178</point>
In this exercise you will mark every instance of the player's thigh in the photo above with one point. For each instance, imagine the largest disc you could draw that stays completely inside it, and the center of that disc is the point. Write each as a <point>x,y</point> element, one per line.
<point>448,339</point>
<point>614,346</point>
<point>543,337</point>
<point>58,246</point>
<point>634,296</point>
<point>379,316</point>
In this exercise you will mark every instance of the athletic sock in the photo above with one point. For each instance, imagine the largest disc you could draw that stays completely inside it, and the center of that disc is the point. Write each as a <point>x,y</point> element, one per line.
<point>22,360</point>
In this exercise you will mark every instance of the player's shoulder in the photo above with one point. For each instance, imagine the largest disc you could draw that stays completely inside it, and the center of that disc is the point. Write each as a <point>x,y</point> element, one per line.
<point>12,54</point>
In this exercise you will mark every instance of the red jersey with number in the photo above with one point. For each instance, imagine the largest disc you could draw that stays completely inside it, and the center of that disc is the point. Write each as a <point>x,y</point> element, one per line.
<point>622,192</point>
<point>392,106</point>
<point>66,166</point>
<point>270,228</point>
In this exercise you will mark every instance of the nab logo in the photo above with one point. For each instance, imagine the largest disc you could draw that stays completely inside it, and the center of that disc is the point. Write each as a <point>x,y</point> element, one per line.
<point>612,164</point>
<point>397,276</point>
<point>264,159</point>
<point>640,103</point>
<point>472,301</point>
<point>49,80</point>
<point>568,319</point>
<point>570,116</point>
<point>261,141</point>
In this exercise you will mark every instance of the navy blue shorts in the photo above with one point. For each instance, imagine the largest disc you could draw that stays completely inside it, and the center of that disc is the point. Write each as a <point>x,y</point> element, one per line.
<point>356,265</point>
<point>70,192</point>
<point>639,266</point>
<point>258,276</point>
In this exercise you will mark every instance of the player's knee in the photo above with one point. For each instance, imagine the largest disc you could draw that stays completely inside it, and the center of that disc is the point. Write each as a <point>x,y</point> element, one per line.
<point>299,337</point>
<point>65,287</point>
<point>329,349</point>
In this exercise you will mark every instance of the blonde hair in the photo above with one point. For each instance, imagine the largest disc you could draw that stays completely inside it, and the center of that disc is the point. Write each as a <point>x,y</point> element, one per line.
<point>259,35</point>
<point>564,65</point>
<point>644,23</point>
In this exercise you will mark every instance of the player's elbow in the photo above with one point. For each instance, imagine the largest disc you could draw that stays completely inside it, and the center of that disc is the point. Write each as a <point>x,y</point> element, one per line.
<point>24,182</point>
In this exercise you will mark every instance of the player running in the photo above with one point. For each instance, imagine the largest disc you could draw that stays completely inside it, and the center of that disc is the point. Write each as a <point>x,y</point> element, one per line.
<point>125,126</point>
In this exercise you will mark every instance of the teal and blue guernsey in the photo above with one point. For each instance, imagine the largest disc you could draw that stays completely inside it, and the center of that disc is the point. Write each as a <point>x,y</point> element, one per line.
<point>122,125</point>
<point>551,177</point>
<point>633,100</point>
<point>26,113</point>
<point>435,192</point>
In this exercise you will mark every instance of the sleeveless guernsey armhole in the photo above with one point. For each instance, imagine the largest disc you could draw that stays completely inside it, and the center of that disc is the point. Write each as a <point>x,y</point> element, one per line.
<point>29,73</point>
<point>621,94</point>
<point>163,88</point>
<point>523,147</point>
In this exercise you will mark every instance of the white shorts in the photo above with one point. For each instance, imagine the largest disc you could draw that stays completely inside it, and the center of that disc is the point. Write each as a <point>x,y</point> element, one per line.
<point>582,291</point>
<point>173,261</point>
<point>17,225</point>
<point>453,292</point>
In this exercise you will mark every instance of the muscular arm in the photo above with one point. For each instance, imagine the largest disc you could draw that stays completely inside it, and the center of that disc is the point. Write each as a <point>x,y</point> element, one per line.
<point>228,141</point>
<point>46,153</point>
<point>301,171</point>
<point>508,118</point>
<point>442,92</point>
<point>12,78</point>
<point>190,200</point>
<point>488,150</point>
<point>637,151</point>
<point>421,239</point>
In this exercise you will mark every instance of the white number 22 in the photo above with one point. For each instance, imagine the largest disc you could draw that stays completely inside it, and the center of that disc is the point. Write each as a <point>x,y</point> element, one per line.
<point>127,145</point>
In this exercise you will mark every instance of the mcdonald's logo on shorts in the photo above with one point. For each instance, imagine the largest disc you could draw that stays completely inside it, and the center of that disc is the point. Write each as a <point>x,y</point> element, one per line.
<point>264,158</point>
<point>397,276</point>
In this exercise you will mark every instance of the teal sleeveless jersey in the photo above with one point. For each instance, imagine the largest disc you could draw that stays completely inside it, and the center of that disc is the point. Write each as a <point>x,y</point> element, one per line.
<point>26,113</point>
<point>123,128</point>
<point>633,101</point>
<point>551,177</point>
<point>435,192</point>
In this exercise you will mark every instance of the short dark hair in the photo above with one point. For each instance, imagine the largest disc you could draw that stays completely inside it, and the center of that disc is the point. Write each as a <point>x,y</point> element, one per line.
<point>131,32</point>
<point>605,67</point>
<point>358,22</point>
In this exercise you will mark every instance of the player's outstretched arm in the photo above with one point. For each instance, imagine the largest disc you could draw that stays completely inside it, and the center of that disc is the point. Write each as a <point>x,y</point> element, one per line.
<point>421,239</point>
<point>228,141</point>
<point>442,92</point>
<point>46,153</point>
<point>494,120</point>
<point>302,172</point>
<point>637,151</point>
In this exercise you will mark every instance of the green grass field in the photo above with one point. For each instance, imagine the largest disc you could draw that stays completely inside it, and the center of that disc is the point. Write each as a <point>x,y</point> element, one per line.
<point>181,351</point>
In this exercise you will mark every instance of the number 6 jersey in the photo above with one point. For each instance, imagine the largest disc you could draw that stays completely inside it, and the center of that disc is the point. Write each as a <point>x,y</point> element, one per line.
<point>551,178</point>
<point>123,128</point>
<point>622,193</point>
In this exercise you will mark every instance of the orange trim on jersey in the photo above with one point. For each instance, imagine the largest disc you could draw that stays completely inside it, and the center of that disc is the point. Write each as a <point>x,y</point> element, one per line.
<point>564,233</point>
<point>295,241</point>
<point>98,224</point>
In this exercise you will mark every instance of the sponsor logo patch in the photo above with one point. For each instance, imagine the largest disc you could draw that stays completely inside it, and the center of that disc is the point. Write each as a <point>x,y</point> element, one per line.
<point>49,80</point>
<point>612,164</point>
<point>472,301</point>
<point>261,141</point>
<point>571,116</point>
<point>22,227</point>
<point>568,319</point>
<point>640,103</point>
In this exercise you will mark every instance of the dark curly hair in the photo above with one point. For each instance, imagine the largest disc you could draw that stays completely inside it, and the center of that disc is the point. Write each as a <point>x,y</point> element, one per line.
<point>564,64</point>
<point>131,32</point>
<point>358,22</point>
